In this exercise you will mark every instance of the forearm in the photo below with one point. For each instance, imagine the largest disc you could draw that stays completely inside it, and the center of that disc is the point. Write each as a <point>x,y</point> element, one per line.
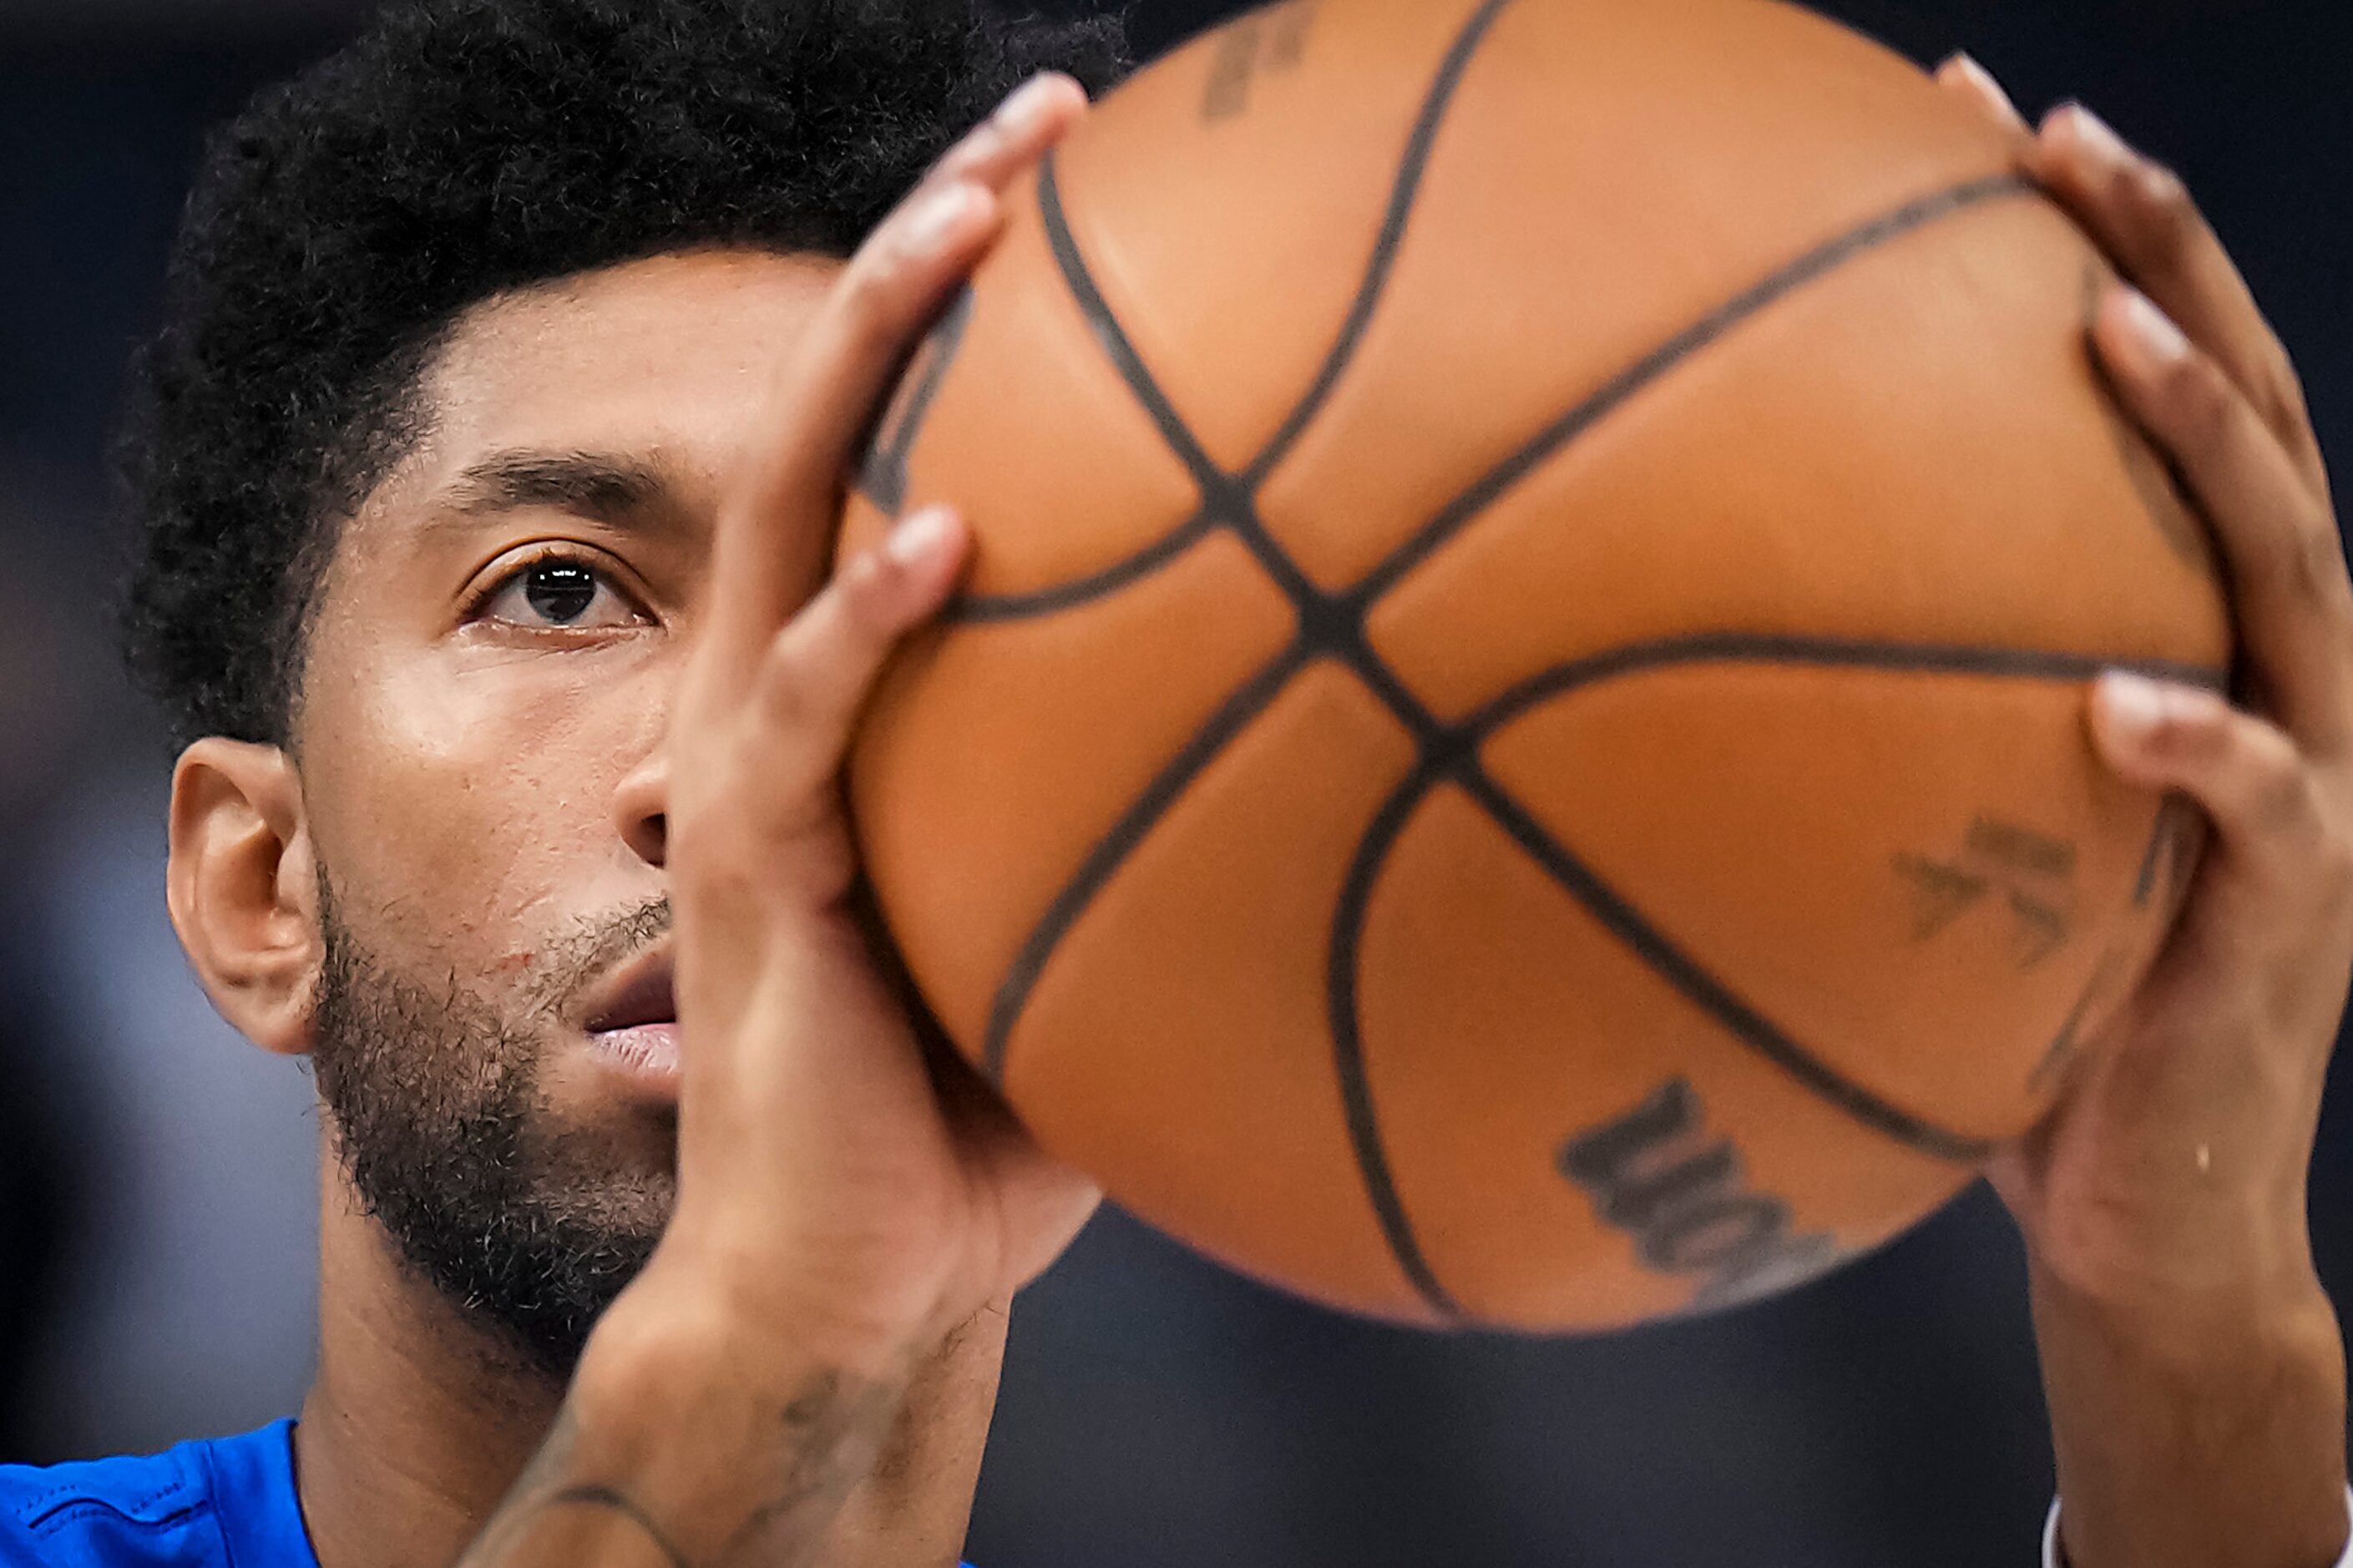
<point>692,1443</point>
<point>2207,1440</point>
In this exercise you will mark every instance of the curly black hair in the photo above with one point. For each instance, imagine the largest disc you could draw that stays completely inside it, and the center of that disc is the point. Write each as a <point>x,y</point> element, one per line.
<point>461,149</point>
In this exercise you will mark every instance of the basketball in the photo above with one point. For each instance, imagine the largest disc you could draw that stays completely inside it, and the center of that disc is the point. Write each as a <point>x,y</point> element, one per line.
<point>1512,751</point>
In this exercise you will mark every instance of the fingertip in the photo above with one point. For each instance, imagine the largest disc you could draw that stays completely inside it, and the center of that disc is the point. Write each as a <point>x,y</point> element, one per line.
<point>1066,93</point>
<point>945,217</point>
<point>2137,337</point>
<point>2127,707</point>
<point>918,540</point>
<point>1038,102</point>
<point>920,557</point>
<point>1038,112</point>
<point>1963,73</point>
<point>2134,718</point>
<point>2080,146</point>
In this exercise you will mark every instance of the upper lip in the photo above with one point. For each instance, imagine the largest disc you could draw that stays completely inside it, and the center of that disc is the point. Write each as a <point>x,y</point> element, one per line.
<point>637,993</point>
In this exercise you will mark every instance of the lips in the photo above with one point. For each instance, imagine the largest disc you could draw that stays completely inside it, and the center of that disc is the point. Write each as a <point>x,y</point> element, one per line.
<point>640,996</point>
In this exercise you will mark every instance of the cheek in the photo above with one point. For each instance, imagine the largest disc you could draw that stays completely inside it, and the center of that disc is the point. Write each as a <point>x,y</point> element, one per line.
<point>467,802</point>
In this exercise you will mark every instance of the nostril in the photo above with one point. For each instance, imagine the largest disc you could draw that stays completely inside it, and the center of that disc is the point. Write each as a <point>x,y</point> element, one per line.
<point>647,837</point>
<point>641,807</point>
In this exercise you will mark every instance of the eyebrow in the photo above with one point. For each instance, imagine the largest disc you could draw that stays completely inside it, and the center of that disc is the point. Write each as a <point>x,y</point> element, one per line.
<point>608,488</point>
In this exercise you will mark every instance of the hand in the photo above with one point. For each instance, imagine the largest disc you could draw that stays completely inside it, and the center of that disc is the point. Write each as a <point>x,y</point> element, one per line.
<point>2174,1167</point>
<point>831,1171</point>
<point>849,1199</point>
<point>2163,1200</point>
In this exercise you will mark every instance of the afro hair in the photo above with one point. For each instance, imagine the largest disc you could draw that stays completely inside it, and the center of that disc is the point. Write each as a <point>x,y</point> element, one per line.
<point>459,150</point>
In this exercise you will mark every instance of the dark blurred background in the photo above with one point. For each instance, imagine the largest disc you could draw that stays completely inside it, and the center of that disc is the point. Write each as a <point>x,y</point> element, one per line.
<point>157,1178</point>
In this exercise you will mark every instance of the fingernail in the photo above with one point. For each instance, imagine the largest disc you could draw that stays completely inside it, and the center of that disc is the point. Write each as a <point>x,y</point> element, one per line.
<point>2098,139</point>
<point>1983,80</point>
<point>937,216</point>
<point>2153,330</point>
<point>2134,702</point>
<point>1026,104</point>
<point>917,536</point>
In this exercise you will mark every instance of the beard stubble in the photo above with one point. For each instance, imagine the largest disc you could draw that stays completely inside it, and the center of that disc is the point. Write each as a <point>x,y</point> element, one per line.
<point>529,1227</point>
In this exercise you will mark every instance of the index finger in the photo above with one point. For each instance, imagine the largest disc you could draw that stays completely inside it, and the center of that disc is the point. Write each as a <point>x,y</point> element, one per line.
<point>2142,215</point>
<point>775,531</point>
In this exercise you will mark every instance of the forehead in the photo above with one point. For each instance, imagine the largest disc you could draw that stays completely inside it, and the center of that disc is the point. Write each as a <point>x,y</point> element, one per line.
<point>666,356</point>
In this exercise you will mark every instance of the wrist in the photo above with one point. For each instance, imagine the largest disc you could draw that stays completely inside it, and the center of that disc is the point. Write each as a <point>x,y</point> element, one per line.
<point>2197,1433</point>
<point>717,1424</point>
<point>2196,1341</point>
<point>2189,1268</point>
<point>733,1290</point>
<point>679,1340</point>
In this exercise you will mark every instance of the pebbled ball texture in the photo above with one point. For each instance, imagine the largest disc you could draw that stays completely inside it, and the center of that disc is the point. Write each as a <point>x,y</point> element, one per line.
<point>1514,751</point>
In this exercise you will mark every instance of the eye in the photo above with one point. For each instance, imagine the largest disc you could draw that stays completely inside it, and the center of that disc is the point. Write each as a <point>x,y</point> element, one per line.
<point>558,591</point>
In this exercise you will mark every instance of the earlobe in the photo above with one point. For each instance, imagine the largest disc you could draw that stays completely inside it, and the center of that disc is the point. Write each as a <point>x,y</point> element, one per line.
<point>244,888</point>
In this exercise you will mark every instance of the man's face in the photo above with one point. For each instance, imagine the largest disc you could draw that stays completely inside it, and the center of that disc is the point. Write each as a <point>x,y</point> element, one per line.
<point>498,633</point>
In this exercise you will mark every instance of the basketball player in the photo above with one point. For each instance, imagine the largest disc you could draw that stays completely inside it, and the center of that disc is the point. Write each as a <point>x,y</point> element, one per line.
<point>492,601</point>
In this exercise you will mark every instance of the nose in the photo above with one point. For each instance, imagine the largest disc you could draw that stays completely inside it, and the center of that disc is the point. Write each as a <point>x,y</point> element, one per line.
<point>639,804</point>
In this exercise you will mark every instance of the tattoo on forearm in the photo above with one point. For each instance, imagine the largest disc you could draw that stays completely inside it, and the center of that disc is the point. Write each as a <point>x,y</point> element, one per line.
<point>611,1500</point>
<point>831,1431</point>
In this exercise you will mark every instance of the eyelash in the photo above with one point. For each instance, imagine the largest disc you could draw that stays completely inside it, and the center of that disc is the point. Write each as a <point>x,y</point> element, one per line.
<point>477,605</point>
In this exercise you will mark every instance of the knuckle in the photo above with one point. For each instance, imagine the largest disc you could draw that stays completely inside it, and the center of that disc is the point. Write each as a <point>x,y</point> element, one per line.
<point>2169,215</point>
<point>2278,394</point>
<point>801,831</point>
<point>756,808</point>
<point>2332,864</point>
<point>2197,724</point>
<point>2284,803</point>
<point>789,694</point>
<point>864,616</point>
<point>2194,732</point>
<point>2314,566</point>
<point>874,299</point>
<point>867,316</point>
<point>797,699</point>
<point>2197,406</point>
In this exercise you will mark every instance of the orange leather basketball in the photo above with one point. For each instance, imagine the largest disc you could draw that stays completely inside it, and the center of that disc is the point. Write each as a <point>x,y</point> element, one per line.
<point>1514,751</point>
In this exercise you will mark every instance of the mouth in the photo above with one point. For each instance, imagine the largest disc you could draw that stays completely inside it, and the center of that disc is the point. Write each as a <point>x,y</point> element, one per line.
<point>634,1026</point>
<point>638,996</point>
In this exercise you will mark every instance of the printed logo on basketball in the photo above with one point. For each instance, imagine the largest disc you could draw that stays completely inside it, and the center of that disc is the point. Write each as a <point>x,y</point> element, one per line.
<point>2031,873</point>
<point>1332,715</point>
<point>1654,1173</point>
<point>1270,40</point>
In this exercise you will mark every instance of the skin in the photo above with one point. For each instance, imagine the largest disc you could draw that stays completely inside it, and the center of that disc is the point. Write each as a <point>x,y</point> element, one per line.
<point>2194,1367</point>
<point>803,1373</point>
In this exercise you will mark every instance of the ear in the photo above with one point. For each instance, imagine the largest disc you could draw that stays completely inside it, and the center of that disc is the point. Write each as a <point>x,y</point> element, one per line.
<point>244,888</point>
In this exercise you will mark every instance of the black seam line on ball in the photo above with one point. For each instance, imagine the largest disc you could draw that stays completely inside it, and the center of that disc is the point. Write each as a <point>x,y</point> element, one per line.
<point>883,478</point>
<point>1345,1017</point>
<point>1208,479</point>
<point>1700,986</point>
<point>1491,486</point>
<point>1405,190</point>
<point>1332,625</point>
<point>1828,653</point>
<point>1079,277</point>
<point>1105,858</point>
<point>1483,492</point>
<point>1453,758</point>
<point>979,609</point>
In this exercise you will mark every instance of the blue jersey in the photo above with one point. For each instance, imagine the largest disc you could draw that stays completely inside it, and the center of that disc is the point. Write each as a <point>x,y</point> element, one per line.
<point>227,1503</point>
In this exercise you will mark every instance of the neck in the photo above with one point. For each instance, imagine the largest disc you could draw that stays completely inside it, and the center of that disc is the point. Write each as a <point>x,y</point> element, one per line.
<point>420,1419</point>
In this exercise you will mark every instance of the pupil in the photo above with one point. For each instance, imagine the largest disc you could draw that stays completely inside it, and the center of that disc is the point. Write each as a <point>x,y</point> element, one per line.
<point>561,592</point>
